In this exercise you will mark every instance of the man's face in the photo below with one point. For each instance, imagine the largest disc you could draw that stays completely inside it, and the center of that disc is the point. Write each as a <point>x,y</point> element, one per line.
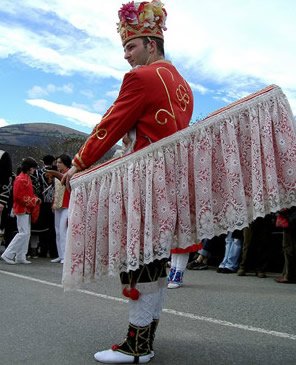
<point>136,53</point>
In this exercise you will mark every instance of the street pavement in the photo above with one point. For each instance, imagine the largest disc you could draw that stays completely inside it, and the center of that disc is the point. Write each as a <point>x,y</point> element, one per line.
<point>214,319</point>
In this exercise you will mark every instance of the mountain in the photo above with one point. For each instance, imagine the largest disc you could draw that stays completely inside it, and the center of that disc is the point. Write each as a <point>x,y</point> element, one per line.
<point>40,139</point>
<point>36,134</point>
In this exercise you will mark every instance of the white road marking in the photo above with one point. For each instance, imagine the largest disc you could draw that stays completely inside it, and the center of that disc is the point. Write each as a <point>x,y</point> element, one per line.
<point>166,310</point>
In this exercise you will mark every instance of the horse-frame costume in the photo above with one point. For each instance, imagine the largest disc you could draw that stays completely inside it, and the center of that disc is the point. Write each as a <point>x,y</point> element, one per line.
<point>176,186</point>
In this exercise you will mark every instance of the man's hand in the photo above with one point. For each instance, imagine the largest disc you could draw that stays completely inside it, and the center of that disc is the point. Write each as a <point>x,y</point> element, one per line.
<point>1,207</point>
<point>50,174</point>
<point>68,176</point>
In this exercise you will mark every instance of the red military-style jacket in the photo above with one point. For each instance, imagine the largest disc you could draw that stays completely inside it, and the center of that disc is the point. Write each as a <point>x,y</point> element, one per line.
<point>154,100</point>
<point>24,200</point>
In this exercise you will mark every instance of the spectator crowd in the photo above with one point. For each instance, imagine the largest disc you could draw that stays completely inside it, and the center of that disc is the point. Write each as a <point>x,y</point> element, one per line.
<point>33,209</point>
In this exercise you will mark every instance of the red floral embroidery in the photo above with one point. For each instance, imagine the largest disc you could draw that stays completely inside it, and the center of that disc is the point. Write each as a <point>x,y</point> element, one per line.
<point>114,347</point>
<point>132,334</point>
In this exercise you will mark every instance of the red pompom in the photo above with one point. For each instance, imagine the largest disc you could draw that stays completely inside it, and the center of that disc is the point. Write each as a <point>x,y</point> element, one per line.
<point>126,292</point>
<point>114,347</point>
<point>134,294</point>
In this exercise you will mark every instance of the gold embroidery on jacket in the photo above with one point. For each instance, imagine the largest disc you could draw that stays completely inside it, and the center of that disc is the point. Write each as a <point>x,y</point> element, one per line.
<point>171,114</point>
<point>29,202</point>
<point>96,133</point>
<point>108,112</point>
<point>79,159</point>
<point>99,133</point>
<point>183,97</point>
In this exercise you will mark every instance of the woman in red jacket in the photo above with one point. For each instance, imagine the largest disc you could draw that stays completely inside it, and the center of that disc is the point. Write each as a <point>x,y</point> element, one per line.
<point>25,206</point>
<point>60,208</point>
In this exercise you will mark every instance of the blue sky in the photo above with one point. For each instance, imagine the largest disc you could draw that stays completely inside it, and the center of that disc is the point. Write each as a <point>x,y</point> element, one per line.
<point>61,61</point>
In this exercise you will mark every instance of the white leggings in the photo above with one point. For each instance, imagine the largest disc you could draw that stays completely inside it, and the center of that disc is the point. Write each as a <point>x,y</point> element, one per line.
<point>146,308</point>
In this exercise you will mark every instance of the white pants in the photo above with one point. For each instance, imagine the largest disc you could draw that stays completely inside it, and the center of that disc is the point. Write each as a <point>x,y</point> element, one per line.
<point>18,247</point>
<point>61,226</point>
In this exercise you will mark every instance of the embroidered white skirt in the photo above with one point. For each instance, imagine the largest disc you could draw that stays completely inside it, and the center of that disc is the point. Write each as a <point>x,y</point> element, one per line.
<point>215,176</point>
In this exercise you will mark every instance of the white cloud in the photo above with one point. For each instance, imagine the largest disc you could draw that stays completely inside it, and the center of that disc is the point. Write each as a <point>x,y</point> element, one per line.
<point>57,54</point>
<point>88,93</point>
<point>230,95</point>
<point>3,122</point>
<point>100,105</point>
<point>229,37</point>
<point>75,115</point>
<point>80,106</point>
<point>38,91</point>
<point>201,89</point>
<point>241,45</point>
<point>67,89</point>
<point>237,45</point>
<point>113,94</point>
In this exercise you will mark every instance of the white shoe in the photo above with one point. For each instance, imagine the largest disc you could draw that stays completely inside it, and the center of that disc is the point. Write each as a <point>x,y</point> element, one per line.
<point>62,261</point>
<point>116,357</point>
<point>24,262</point>
<point>173,285</point>
<point>55,260</point>
<point>7,260</point>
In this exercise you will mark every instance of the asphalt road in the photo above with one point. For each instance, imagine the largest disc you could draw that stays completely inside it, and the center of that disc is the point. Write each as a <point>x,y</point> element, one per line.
<point>214,319</point>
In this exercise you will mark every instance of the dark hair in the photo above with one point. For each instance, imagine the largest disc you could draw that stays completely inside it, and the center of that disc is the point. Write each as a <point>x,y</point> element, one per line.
<point>18,170</point>
<point>28,163</point>
<point>48,159</point>
<point>159,44</point>
<point>66,160</point>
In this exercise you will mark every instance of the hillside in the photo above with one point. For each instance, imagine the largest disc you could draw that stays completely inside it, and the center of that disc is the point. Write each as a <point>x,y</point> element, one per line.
<point>35,134</point>
<point>39,139</point>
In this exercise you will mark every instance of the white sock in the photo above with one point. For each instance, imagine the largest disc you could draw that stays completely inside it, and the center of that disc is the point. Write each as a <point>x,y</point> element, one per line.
<point>174,259</point>
<point>182,261</point>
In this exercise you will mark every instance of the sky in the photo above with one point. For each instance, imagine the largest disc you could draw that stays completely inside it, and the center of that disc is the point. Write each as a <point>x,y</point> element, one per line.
<point>61,61</point>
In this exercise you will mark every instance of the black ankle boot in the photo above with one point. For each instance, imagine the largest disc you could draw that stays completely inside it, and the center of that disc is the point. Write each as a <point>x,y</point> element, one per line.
<point>153,328</point>
<point>136,342</point>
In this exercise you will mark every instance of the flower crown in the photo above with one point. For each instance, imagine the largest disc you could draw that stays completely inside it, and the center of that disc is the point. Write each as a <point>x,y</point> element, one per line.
<point>141,20</point>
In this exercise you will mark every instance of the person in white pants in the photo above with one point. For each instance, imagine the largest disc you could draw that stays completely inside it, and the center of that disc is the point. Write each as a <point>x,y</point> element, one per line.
<point>18,247</point>
<point>25,204</point>
<point>154,102</point>
<point>60,207</point>
<point>60,224</point>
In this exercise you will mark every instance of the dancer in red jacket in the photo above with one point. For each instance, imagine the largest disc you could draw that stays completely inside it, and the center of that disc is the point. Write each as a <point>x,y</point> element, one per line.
<point>25,207</point>
<point>154,102</point>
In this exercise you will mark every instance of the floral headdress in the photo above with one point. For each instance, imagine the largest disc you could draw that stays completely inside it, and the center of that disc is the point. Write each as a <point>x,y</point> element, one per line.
<point>141,20</point>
